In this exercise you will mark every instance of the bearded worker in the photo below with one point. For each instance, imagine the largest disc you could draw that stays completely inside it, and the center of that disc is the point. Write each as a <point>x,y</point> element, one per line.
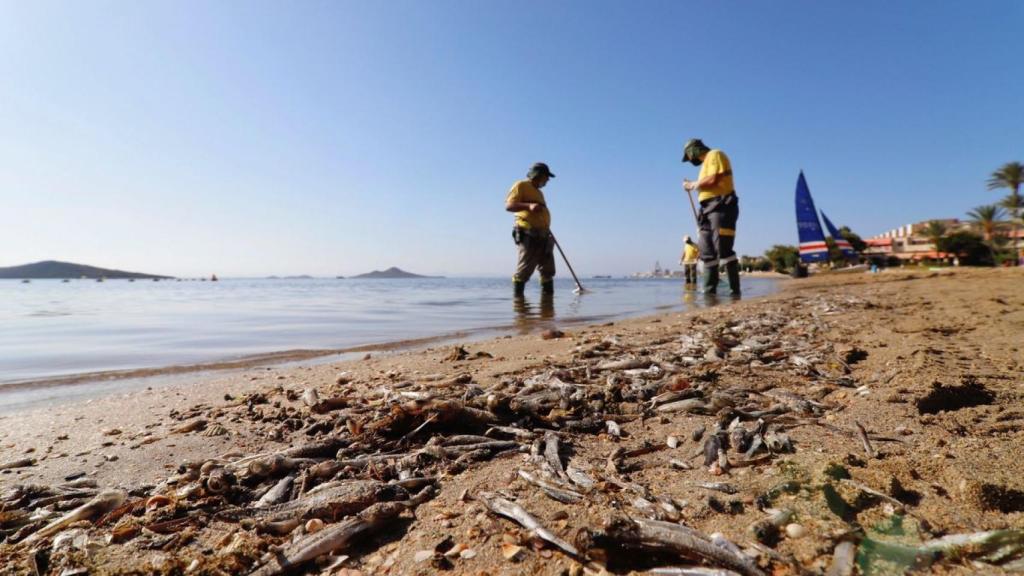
<point>719,210</point>
<point>532,230</point>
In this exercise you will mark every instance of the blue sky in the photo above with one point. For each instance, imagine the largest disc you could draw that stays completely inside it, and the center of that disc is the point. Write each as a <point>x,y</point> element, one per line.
<point>253,138</point>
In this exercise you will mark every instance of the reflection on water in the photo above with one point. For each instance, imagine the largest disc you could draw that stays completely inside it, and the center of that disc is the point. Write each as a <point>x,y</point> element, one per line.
<point>529,314</point>
<point>53,328</point>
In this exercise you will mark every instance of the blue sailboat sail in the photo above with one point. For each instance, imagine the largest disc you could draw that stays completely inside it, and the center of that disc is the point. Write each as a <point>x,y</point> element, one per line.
<point>842,243</point>
<point>812,239</point>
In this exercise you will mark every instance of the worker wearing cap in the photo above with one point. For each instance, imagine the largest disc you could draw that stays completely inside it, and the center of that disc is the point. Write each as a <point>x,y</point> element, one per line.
<point>719,210</point>
<point>532,230</point>
<point>689,260</point>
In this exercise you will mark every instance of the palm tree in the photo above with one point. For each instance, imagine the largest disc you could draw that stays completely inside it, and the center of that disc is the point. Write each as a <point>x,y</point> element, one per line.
<point>1011,175</point>
<point>986,218</point>
<point>934,230</point>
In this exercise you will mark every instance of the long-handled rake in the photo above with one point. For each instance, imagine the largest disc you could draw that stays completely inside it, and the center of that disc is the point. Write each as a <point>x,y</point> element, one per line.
<point>579,287</point>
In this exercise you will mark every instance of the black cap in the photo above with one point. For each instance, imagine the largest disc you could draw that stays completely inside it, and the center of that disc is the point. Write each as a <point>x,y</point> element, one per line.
<point>692,149</point>
<point>539,169</point>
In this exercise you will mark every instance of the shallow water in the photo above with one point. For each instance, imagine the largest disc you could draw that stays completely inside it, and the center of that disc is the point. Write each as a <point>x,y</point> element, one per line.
<point>52,329</point>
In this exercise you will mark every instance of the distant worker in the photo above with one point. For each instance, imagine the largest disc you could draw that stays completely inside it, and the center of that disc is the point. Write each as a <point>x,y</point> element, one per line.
<point>689,260</point>
<point>719,210</point>
<point>532,230</point>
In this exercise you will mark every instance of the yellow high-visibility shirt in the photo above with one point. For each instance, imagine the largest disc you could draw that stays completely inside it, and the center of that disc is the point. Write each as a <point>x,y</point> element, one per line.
<point>716,162</point>
<point>690,254</point>
<point>525,191</point>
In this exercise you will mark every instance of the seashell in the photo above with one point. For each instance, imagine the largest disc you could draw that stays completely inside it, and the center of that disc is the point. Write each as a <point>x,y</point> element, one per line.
<point>672,442</point>
<point>795,530</point>
<point>215,430</point>
<point>314,525</point>
<point>157,501</point>
<point>511,552</point>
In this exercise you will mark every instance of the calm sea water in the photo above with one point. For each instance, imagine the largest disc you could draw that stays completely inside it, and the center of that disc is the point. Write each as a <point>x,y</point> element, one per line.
<point>53,329</point>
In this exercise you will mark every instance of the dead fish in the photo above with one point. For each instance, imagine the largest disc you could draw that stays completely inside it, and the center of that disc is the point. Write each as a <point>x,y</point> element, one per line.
<point>712,446</point>
<point>778,442</point>
<point>740,439</point>
<point>219,481</point>
<point>512,511</point>
<point>554,492</point>
<point>22,463</point>
<point>717,486</point>
<point>192,426</point>
<point>330,502</point>
<point>688,405</point>
<point>627,364</point>
<point>690,571</point>
<point>274,464</point>
<point>579,477</point>
<point>552,456</point>
<point>103,502</point>
<point>680,464</point>
<point>697,433</point>
<point>675,538</point>
<point>332,538</point>
<point>278,493</point>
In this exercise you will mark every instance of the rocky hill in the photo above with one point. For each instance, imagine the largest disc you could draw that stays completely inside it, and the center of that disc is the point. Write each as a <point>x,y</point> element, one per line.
<point>55,269</point>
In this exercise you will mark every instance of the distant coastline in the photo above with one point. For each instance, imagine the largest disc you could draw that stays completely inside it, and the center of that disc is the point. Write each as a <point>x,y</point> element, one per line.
<point>53,269</point>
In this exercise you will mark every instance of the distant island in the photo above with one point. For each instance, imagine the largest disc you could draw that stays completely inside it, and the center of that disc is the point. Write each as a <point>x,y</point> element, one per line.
<point>393,273</point>
<point>55,269</point>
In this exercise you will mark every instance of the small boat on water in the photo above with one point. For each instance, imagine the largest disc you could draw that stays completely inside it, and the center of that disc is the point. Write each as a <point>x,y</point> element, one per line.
<point>213,278</point>
<point>25,281</point>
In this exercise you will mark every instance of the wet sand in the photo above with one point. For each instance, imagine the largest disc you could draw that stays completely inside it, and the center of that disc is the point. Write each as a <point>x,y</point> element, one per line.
<point>929,363</point>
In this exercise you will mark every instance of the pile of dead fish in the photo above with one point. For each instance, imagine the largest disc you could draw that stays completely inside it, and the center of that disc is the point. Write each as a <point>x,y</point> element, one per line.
<point>367,452</point>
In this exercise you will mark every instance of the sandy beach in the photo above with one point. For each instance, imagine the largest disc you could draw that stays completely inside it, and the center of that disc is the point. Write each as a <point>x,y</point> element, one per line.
<point>885,399</point>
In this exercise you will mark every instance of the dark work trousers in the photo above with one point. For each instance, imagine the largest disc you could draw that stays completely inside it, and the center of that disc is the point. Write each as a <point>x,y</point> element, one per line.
<point>690,273</point>
<point>536,250</point>
<point>717,220</point>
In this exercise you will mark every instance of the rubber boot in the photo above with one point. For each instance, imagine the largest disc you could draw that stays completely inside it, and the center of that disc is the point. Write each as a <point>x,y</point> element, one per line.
<point>732,269</point>
<point>711,280</point>
<point>547,286</point>
<point>518,288</point>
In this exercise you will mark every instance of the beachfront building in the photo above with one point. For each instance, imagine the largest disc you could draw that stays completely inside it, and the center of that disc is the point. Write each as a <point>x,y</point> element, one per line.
<point>909,244</point>
<point>659,272</point>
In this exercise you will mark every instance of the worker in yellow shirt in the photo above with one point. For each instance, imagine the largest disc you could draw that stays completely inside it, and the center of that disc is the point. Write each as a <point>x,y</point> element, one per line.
<point>719,210</point>
<point>689,260</point>
<point>532,230</point>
